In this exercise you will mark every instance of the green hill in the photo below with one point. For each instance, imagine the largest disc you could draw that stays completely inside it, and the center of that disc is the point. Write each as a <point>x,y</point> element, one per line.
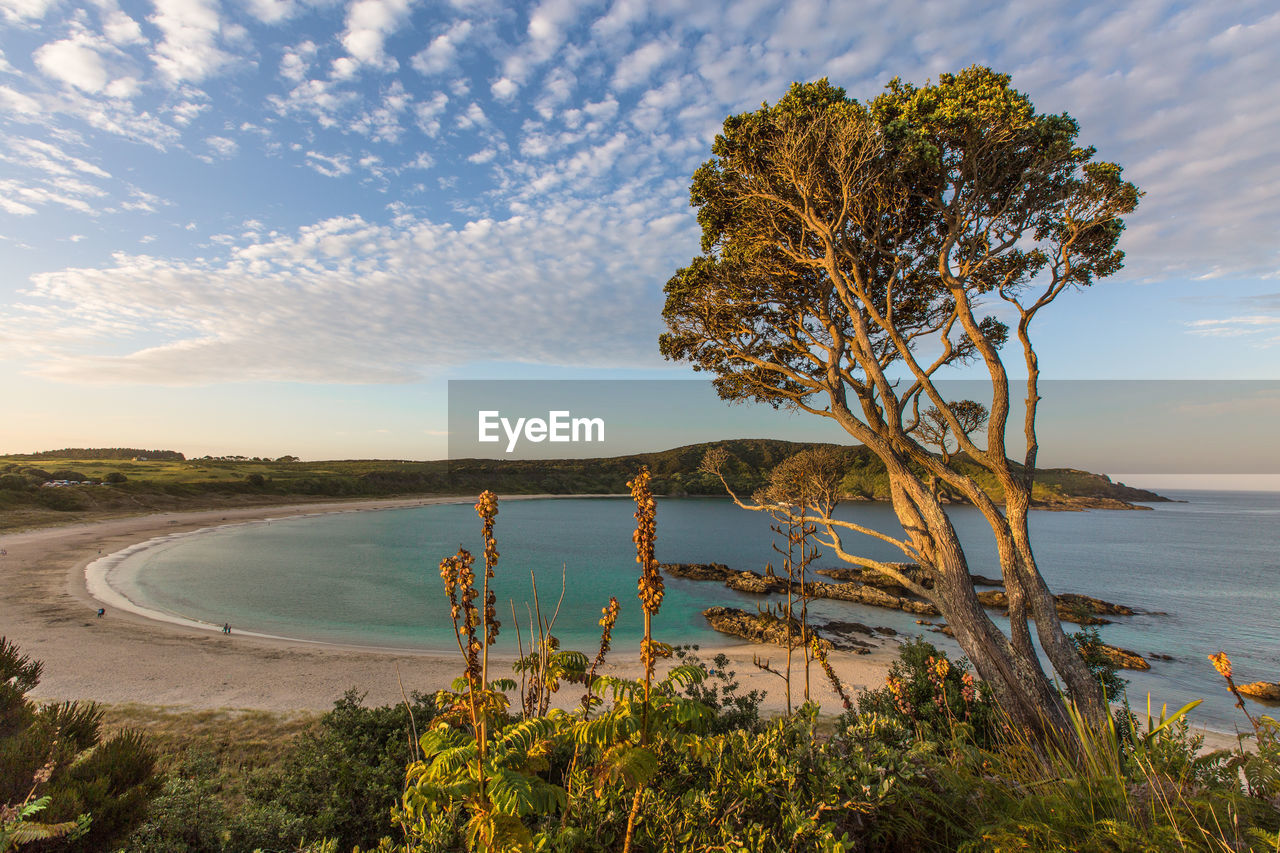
<point>114,484</point>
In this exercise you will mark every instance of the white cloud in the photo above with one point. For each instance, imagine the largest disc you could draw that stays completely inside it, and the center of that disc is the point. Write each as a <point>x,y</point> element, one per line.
<point>272,11</point>
<point>369,22</point>
<point>428,113</point>
<point>637,68</point>
<point>330,166</point>
<point>118,27</point>
<point>296,61</point>
<point>222,146</point>
<point>504,89</point>
<point>44,156</point>
<point>124,87</point>
<point>189,50</point>
<point>74,62</point>
<point>441,54</point>
<point>25,10</point>
<point>19,103</point>
<point>346,300</point>
<point>320,100</point>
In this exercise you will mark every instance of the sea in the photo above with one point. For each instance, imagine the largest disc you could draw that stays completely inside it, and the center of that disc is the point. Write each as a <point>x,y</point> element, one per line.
<point>1204,569</point>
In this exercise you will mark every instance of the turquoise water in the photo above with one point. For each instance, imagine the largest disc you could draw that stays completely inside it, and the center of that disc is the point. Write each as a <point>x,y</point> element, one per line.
<point>1212,564</point>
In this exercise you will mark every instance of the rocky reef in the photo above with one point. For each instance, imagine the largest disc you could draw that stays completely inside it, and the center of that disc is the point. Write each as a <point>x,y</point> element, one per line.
<point>771,629</point>
<point>745,581</point>
<point>1266,691</point>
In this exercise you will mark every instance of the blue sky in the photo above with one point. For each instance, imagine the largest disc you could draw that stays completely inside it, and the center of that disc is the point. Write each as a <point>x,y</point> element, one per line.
<point>279,226</point>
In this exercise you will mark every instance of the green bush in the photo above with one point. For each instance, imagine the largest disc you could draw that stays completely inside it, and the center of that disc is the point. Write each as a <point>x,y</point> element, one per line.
<point>342,780</point>
<point>102,787</point>
<point>1089,643</point>
<point>933,695</point>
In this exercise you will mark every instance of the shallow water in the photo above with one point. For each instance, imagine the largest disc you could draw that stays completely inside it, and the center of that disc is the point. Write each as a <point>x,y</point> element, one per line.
<point>1212,564</point>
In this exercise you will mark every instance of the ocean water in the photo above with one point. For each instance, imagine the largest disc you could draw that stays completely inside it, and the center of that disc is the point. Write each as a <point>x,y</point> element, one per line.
<point>1210,565</point>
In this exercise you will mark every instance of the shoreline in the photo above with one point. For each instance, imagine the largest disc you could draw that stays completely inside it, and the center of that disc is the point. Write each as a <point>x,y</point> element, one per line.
<point>129,656</point>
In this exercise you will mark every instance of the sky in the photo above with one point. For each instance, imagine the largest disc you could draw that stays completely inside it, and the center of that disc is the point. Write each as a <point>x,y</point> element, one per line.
<point>281,226</point>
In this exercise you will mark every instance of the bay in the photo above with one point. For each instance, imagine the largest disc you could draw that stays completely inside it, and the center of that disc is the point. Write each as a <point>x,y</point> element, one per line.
<point>1211,564</point>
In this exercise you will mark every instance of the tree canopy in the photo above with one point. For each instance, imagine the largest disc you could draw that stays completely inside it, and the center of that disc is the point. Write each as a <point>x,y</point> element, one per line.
<point>853,253</point>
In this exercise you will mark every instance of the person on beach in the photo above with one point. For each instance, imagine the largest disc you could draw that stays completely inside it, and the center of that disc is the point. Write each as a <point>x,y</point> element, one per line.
<point>226,628</point>
<point>101,611</point>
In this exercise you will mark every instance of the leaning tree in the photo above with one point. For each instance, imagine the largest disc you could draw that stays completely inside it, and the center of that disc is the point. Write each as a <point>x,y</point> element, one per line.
<point>851,255</point>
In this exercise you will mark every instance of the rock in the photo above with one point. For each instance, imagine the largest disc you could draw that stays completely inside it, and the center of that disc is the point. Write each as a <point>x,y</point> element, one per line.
<point>1092,605</point>
<point>886,631</point>
<point>865,594</point>
<point>923,622</point>
<point>752,582</point>
<point>697,571</point>
<point>983,580</point>
<point>1266,691</point>
<point>1123,658</point>
<point>842,574</point>
<point>848,628</point>
<point>1158,656</point>
<point>871,577</point>
<point>1071,606</point>
<point>772,629</point>
<point>943,629</point>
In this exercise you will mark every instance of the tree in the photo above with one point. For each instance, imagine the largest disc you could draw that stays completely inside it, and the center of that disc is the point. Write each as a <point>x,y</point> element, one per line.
<point>850,256</point>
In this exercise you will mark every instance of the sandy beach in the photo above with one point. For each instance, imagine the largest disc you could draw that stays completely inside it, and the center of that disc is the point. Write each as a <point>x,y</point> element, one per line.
<point>47,610</point>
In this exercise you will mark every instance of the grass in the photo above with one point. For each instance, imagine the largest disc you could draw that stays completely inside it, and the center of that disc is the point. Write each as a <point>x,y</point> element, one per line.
<point>239,741</point>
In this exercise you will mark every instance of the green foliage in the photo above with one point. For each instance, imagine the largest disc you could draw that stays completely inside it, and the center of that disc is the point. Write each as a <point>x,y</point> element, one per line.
<point>937,698</point>
<point>1148,787</point>
<point>1089,642</point>
<point>338,781</point>
<point>777,789</point>
<point>89,792</point>
<point>720,691</point>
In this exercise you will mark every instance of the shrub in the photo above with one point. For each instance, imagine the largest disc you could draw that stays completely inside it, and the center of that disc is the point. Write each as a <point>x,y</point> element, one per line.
<point>931,695</point>
<point>56,753</point>
<point>1089,642</point>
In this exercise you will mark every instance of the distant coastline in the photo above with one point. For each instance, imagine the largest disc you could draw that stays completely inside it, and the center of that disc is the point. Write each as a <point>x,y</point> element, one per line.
<point>39,489</point>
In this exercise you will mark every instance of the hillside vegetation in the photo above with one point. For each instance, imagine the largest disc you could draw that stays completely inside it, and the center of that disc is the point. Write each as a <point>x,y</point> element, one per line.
<point>122,482</point>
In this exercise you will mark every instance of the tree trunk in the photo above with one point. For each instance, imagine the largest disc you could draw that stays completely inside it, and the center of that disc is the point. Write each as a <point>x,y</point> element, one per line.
<point>1081,684</point>
<point>1015,676</point>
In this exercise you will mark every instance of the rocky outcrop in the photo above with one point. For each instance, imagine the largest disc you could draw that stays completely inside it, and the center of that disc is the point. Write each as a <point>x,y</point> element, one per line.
<point>752,582</point>
<point>864,594</point>
<point>911,570</point>
<point>1093,605</point>
<point>1265,691</point>
<point>744,581</point>
<point>1123,658</point>
<point>1071,606</point>
<point>771,629</point>
<point>697,571</point>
